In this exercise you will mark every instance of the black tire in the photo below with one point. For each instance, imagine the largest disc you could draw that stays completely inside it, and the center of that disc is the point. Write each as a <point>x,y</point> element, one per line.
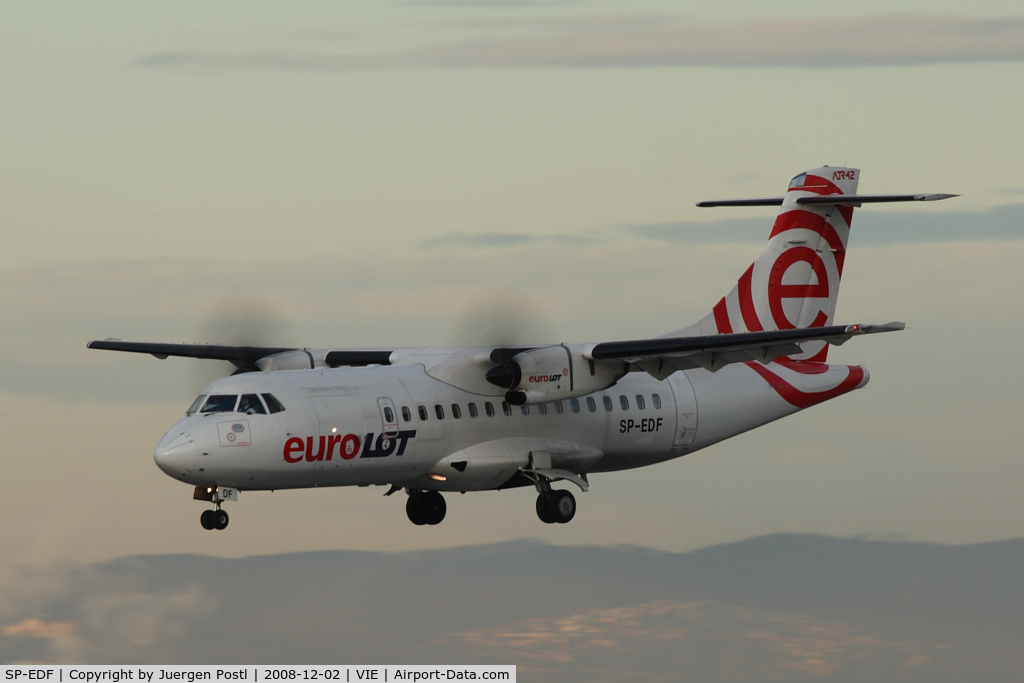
<point>414,509</point>
<point>206,519</point>
<point>563,506</point>
<point>434,508</point>
<point>545,508</point>
<point>220,520</point>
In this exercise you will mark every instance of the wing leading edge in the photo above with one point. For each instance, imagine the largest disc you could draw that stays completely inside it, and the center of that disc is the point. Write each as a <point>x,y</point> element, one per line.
<point>661,357</point>
<point>245,358</point>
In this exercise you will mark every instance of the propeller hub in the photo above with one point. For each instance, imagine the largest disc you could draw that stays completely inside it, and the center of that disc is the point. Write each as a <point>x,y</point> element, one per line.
<point>506,375</point>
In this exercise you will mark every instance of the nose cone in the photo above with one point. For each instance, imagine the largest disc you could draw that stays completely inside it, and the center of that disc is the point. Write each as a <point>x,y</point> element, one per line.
<point>176,454</point>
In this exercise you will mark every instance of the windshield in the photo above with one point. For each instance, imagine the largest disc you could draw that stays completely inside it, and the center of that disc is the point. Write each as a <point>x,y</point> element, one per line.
<point>220,403</point>
<point>250,405</point>
<point>195,405</point>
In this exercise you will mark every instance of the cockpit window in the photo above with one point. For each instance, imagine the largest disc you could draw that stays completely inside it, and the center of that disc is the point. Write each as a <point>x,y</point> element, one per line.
<point>273,404</point>
<point>195,405</point>
<point>220,403</point>
<point>250,405</point>
<point>798,181</point>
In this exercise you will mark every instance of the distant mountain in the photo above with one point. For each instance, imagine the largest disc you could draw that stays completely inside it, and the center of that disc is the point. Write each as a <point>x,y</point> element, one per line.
<point>777,607</point>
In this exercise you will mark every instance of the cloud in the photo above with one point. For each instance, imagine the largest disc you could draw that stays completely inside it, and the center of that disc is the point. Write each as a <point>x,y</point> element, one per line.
<point>38,628</point>
<point>774,607</point>
<point>662,40</point>
<point>676,633</point>
<point>480,240</point>
<point>502,240</point>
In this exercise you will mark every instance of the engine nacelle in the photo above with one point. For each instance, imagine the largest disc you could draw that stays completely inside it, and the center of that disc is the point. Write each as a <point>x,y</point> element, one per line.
<point>298,359</point>
<point>553,373</point>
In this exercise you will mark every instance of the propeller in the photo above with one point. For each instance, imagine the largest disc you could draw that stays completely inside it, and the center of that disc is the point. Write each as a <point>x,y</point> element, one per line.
<point>502,316</point>
<point>236,320</point>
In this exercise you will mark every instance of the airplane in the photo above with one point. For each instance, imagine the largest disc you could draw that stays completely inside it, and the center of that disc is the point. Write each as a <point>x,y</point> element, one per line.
<point>458,419</point>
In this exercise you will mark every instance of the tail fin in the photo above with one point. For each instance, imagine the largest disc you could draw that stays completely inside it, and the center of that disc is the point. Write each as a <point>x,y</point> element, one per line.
<point>794,283</point>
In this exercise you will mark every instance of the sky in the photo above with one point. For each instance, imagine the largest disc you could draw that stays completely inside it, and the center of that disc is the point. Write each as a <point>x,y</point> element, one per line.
<point>364,172</point>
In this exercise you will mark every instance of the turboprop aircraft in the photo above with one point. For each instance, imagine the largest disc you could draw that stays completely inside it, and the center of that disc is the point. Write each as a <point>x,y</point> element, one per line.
<point>433,420</point>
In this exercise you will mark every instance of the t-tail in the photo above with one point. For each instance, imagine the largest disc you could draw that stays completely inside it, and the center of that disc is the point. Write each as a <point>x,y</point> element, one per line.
<point>794,283</point>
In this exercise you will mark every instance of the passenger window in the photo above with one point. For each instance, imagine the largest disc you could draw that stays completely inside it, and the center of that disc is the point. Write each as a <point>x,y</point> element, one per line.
<point>422,410</point>
<point>456,411</point>
<point>439,411</point>
<point>406,414</point>
<point>220,403</point>
<point>472,410</point>
<point>506,408</point>
<point>542,409</point>
<point>608,403</point>
<point>591,404</point>
<point>558,407</point>
<point>526,410</point>
<point>195,405</point>
<point>656,400</point>
<point>389,415</point>
<point>575,405</point>
<point>251,405</point>
<point>273,404</point>
<point>624,402</point>
<point>640,402</point>
<point>489,409</point>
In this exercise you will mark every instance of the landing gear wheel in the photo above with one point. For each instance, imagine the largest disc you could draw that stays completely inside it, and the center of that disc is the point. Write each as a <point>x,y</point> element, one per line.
<point>206,519</point>
<point>435,507</point>
<point>220,520</point>
<point>412,508</point>
<point>545,508</point>
<point>426,507</point>
<point>563,506</point>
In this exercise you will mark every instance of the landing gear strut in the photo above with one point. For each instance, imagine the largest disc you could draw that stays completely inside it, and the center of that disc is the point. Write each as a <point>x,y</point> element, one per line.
<point>556,507</point>
<point>214,519</point>
<point>425,507</point>
<point>217,518</point>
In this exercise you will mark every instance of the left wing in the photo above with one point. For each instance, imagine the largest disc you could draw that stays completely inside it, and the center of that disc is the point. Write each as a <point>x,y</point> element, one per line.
<point>712,352</point>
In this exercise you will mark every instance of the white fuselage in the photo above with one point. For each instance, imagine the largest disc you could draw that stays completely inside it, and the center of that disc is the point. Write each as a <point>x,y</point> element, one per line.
<point>335,429</point>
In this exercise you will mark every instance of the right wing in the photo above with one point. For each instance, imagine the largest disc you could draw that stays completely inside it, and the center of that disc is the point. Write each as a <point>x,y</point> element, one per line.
<point>245,358</point>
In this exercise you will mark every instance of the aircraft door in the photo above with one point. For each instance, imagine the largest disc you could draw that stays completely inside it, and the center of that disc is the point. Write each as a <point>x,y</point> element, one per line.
<point>338,415</point>
<point>686,411</point>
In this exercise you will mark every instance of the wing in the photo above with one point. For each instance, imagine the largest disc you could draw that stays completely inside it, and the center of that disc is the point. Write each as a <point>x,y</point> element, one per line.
<point>661,357</point>
<point>248,358</point>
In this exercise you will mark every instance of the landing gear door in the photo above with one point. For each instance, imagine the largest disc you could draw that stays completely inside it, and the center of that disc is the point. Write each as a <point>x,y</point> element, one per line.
<point>388,416</point>
<point>686,411</point>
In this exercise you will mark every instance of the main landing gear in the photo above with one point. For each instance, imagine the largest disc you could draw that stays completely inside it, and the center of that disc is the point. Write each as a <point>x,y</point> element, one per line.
<point>214,519</point>
<point>425,507</point>
<point>556,507</point>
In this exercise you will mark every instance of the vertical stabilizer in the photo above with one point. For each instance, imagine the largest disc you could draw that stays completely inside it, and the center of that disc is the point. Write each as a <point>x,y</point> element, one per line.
<point>794,283</point>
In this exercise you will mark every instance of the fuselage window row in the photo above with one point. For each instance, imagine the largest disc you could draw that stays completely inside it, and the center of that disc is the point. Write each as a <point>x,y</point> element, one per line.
<point>251,404</point>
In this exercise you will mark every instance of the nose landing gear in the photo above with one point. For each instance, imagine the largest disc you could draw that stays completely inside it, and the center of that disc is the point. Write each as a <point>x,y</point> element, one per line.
<point>425,507</point>
<point>214,519</point>
<point>217,518</point>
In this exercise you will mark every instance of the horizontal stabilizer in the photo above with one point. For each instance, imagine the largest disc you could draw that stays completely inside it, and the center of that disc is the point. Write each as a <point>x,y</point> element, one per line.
<point>757,201</point>
<point>858,199</point>
<point>847,199</point>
